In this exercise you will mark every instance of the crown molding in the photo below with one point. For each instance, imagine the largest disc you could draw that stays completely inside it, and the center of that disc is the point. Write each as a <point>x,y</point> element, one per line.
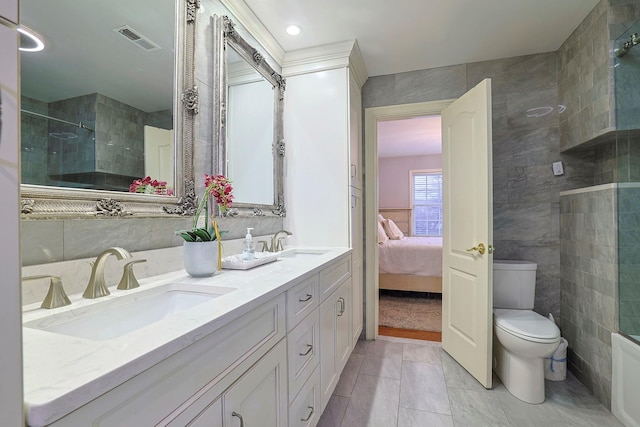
<point>326,57</point>
<point>245,16</point>
<point>357,65</point>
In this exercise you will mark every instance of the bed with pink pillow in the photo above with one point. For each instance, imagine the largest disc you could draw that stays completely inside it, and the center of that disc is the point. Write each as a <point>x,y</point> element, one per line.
<point>408,263</point>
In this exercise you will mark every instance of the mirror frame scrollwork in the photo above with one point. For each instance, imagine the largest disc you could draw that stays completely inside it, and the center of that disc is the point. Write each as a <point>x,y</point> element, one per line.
<point>41,201</point>
<point>225,35</point>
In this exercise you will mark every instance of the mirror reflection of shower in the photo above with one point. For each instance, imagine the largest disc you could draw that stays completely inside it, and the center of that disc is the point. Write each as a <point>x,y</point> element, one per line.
<point>626,47</point>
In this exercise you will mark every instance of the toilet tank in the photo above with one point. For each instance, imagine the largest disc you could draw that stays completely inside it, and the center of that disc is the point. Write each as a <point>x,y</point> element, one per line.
<point>514,284</point>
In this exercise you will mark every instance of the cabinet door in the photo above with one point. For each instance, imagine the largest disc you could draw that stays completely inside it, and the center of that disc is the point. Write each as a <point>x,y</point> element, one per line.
<point>259,397</point>
<point>343,326</point>
<point>335,338</point>
<point>357,243</point>
<point>10,326</point>
<point>355,133</point>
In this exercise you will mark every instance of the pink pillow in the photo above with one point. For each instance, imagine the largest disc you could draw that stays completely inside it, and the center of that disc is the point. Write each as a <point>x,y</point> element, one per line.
<point>382,235</point>
<point>392,230</point>
<point>380,218</point>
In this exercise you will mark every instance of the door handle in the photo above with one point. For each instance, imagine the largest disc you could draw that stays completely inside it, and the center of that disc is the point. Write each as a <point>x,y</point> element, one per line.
<point>481,249</point>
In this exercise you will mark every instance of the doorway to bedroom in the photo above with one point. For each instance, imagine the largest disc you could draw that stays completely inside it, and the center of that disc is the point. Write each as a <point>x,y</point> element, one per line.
<point>409,155</point>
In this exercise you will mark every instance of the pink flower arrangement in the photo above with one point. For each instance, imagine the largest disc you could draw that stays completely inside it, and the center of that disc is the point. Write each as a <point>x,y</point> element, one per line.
<point>148,185</point>
<point>218,187</point>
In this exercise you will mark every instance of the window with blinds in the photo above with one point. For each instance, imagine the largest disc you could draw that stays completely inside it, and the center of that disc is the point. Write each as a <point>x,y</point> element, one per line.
<point>426,198</point>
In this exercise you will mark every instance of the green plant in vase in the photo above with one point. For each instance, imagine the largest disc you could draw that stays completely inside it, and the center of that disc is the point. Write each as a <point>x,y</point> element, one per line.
<point>200,251</point>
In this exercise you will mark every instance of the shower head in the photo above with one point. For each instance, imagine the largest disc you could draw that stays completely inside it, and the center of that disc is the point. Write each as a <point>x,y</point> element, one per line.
<point>626,47</point>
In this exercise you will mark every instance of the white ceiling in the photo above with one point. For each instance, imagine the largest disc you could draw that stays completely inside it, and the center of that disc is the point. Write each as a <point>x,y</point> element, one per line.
<point>83,54</point>
<point>411,137</point>
<point>406,35</point>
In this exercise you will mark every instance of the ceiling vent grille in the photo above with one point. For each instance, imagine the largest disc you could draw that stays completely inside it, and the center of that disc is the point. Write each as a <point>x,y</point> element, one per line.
<point>136,38</point>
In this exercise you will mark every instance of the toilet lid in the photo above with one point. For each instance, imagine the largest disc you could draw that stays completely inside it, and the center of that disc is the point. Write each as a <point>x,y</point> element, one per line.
<point>526,324</point>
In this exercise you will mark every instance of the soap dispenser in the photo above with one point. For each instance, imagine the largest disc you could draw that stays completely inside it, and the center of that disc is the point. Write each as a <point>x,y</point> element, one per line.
<point>249,247</point>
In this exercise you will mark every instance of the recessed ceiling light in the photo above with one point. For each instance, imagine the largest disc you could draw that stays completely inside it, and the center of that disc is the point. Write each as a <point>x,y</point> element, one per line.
<point>294,30</point>
<point>30,41</point>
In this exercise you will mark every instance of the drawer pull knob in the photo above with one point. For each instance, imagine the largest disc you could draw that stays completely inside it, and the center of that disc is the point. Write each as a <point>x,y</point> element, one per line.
<point>307,298</point>
<point>308,417</point>
<point>235,414</point>
<point>342,306</point>
<point>309,348</point>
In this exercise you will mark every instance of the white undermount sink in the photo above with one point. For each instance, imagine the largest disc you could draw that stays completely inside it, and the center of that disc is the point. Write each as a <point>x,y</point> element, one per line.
<point>113,317</point>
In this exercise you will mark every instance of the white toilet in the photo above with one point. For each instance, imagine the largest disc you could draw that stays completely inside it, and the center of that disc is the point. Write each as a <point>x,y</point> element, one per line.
<point>522,338</point>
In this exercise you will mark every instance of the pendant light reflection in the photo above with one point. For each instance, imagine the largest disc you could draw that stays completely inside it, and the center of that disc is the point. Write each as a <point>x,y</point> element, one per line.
<point>30,41</point>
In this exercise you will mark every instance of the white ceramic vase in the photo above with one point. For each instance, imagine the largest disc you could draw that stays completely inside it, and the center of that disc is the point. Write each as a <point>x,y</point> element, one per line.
<point>200,258</point>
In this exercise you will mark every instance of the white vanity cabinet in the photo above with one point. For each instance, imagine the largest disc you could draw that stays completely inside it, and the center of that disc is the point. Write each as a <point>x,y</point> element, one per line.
<point>276,365</point>
<point>185,386</point>
<point>321,343</point>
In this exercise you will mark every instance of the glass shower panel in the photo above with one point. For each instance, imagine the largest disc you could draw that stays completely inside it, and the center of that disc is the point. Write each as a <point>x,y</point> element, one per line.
<point>627,96</point>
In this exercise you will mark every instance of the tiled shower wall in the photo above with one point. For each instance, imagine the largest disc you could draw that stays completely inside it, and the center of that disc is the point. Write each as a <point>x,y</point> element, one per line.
<point>111,156</point>
<point>586,87</point>
<point>589,283</point>
<point>585,80</point>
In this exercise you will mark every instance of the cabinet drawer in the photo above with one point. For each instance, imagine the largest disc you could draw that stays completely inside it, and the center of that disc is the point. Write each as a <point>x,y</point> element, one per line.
<point>332,276</point>
<point>302,299</point>
<point>303,350</point>
<point>305,410</point>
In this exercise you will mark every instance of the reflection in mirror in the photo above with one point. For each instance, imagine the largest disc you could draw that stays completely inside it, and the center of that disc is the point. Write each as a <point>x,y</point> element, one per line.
<point>97,102</point>
<point>110,99</point>
<point>251,147</point>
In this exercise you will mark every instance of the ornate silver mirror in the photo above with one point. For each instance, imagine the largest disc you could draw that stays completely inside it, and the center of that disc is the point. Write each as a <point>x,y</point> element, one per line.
<point>110,100</point>
<point>248,117</point>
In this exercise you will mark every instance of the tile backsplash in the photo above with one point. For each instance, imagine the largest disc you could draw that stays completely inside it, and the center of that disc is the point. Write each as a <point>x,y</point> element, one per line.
<point>75,273</point>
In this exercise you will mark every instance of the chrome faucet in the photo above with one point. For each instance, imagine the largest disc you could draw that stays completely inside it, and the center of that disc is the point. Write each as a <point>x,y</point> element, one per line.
<point>97,286</point>
<point>56,297</point>
<point>276,243</point>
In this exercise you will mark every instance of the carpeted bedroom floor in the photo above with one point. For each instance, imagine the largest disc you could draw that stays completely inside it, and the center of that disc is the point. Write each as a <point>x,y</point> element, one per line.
<point>411,310</point>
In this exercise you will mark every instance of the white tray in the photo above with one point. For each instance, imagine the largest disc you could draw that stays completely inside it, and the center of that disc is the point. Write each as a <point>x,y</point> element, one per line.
<point>235,262</point>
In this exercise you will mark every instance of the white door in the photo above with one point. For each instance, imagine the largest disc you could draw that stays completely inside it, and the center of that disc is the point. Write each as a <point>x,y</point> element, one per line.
<point>158,154</point>
<point>467,299</point>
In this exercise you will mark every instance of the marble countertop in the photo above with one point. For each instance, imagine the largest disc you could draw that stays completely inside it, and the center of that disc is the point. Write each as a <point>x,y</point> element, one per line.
<point>62,373</point>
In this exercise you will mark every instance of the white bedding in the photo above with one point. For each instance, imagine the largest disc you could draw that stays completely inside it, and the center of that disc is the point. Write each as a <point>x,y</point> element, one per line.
<point>421,256</point>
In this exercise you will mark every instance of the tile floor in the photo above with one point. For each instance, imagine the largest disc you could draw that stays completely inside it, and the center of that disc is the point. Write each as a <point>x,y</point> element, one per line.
<point>395,382</point>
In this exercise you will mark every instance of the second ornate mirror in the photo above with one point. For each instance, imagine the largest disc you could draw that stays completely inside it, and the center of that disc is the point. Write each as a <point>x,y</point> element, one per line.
<point>249,121</point>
